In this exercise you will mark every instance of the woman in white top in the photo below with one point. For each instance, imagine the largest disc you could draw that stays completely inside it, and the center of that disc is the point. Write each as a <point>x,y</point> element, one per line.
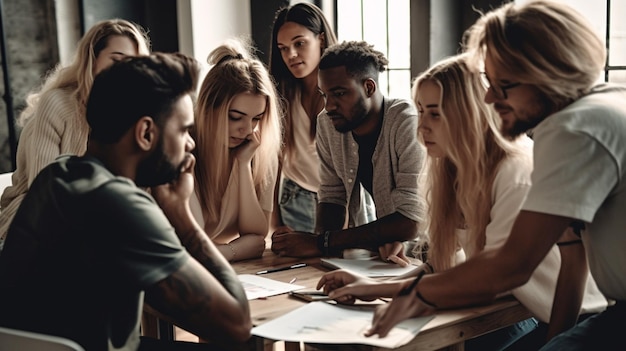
<point>300,35</point>
<point>238,138</point>
<point>476,183</point>
<point>54,118</point>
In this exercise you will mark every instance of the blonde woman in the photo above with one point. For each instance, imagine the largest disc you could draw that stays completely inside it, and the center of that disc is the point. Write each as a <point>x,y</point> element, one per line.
<point>54,122</point>
<point>476,183</point>
<point>238,137</point>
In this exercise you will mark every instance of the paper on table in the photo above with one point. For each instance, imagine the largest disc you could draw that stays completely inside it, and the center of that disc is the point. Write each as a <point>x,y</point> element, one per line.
<point>324,323</point>
<point>256,286</point>
<point>369,267</point>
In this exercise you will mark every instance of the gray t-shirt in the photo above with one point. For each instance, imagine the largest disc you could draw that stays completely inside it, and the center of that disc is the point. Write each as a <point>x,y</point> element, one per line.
<point>396,163</point>
<point>81,249</point>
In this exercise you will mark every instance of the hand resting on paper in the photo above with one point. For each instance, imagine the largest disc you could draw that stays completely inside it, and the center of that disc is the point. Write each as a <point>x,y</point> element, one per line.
<point>394,252</point>
<point>400,308</point>
<point>346,287</point>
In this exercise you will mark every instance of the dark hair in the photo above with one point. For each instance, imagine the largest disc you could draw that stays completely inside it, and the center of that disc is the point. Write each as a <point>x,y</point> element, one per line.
<point>135,87</point>
<point>359,58</point>
<point>304,14</point>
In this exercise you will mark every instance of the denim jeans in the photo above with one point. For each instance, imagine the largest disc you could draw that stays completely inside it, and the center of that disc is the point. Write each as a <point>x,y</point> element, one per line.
<point>297,206</point>
<point>535,340</point>
<point>501,338</point>
<point>602,331</point>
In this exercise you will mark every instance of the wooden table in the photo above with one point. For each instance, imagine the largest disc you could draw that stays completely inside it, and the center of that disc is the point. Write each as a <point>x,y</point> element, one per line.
<point>449,329</point>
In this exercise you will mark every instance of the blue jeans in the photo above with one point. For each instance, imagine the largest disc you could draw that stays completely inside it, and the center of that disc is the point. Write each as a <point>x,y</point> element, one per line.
<point>297,206</point>
<point>501,338</point>
<point>537,338</point>
<point>602,331</point>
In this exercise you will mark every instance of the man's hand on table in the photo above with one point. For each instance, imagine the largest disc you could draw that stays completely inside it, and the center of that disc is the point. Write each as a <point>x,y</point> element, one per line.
<point>346,287</point>
<point>287,242</point>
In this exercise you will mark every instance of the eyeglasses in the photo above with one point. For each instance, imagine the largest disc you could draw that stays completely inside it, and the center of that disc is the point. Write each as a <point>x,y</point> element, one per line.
<point>498,90</point>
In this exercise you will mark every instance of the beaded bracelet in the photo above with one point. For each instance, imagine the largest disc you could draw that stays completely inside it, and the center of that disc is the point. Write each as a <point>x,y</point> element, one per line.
<point>323,243</point>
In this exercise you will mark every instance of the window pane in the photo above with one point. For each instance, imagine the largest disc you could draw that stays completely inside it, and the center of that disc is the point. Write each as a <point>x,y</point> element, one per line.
<point>617,48</point>
<point>393,41</point>
<point>399,34</point>
<point>400,84</point>
<point>617,76</point>
<point>383,83</point>
<point>349,20</point>
<point>375,24</point>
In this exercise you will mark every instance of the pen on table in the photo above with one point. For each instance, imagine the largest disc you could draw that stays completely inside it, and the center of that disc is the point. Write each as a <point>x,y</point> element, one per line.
<point>272,270</point>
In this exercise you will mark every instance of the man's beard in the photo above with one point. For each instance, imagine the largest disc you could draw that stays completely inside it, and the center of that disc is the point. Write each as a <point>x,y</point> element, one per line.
<point>157,169</point>
<point>521,127</point>
<point>544,109</point>
<point>359,117</point>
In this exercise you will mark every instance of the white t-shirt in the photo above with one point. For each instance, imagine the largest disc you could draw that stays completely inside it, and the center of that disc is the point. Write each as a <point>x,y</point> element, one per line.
<point>508,193</point>
<point>303,165</point>
<point>580,159</point>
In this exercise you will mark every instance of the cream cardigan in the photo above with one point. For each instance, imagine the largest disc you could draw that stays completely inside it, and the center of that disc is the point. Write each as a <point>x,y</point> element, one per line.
<point>54,129</point>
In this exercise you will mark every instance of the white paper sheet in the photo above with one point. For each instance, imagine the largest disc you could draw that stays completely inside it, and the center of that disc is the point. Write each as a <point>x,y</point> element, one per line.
<point>257,287</point>
<point>324,323</point>
<point>368,267</point>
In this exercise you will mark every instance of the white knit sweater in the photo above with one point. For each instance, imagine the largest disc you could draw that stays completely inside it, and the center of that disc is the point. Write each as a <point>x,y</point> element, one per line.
<point>54,129</point>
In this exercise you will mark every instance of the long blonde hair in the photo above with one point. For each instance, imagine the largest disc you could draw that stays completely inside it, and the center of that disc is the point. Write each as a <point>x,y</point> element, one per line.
<point>79,74</point>
<point>235,71</point>
<point>543,43</point>
<point>458,185</point>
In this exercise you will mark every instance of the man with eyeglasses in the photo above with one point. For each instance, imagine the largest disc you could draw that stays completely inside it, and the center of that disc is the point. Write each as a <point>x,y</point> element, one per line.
<point>498,90</point>
<point>542,61</point>
<point>511,128</point>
